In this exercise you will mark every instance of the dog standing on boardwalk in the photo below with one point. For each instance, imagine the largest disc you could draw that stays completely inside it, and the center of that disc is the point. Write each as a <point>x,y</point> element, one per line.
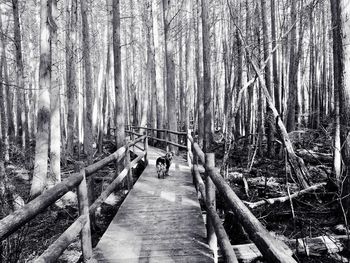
<point>163,163</point>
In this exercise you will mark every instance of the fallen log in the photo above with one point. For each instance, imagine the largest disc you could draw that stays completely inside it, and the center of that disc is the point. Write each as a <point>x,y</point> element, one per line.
<point>296,163</point>
<point>283,199</point>
<point>314,157</point>
<point>315,246</point>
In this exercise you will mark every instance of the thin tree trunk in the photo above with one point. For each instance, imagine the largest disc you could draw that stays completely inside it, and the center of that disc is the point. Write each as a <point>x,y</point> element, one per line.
<point>88,136</point>
<point>119,91</point>
<point>170,73</point>
<point>208,97</point>
<point>266,41</point>
<point>277,92</point>
<point>42,136</point>
<point>20,114</point>
<point>293,72</point>
<point>158,40</point>
<point>336,71</point>
<point>55,129</point>
<point>72,88</point>
<point>200,87</point>
<point>3,101</point>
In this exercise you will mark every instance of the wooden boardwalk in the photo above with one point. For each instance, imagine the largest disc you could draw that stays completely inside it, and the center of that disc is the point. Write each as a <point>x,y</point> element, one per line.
<point>159,221</point>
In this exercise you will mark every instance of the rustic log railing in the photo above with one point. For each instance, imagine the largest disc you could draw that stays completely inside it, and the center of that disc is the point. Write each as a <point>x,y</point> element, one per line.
<point>150,132</point>
<point>12,222</point>
<point>271,248</point>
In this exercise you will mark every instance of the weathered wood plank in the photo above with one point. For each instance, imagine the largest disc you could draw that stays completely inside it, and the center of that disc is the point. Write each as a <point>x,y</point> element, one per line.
<point>159,221</point>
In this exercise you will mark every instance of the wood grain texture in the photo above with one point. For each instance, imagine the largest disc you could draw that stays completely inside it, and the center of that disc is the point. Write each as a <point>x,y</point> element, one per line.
<point>159,221</point>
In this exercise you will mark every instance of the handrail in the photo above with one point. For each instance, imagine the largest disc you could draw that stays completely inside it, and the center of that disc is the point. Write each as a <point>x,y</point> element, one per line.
<point>167,140</point>
<point>18,218</point>
<point>63,241</point>
<point>159,130</point>
<point>103,196</point>
<point>269,247</point>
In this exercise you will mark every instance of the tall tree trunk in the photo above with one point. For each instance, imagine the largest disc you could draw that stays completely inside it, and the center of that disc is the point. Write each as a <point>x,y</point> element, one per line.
<point>55,128</point>
<point>158,40</point>
<point>42,136</point>
<point>119,91</point>
<point>3,100</point>
<point>341,49</point>
<point>276,87</point>
<point>266,48</point>
<point>293,72</point>
<point>208,96</point>
<point>72,88</point>
<point>19,75</point>
<point>337,82</point>
<point>88,136</point>
<point>200,87</point>
<point>170,71</point>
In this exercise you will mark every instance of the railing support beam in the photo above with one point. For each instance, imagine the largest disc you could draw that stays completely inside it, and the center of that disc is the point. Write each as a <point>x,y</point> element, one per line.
<point>86,245</point>
<point>210,202</point>
<point>145,144</point>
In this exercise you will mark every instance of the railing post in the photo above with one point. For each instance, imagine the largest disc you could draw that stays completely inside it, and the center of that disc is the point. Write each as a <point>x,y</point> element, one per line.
<point>145,144</point>
<point>166,140</point>
<point>189,148</point>
<point>86,245</point>
<point>127,165</point>
<point>132,136</point>
<point>210,194</point>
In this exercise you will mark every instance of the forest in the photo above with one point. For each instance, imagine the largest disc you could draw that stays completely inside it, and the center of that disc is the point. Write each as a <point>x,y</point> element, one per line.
<point>263,85</point>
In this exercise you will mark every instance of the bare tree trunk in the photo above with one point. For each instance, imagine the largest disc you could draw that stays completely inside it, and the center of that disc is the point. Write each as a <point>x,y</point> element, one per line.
<point>293,72</point>
<point>119,91</point>
<point>341,49</point>
<point>277,91</point>
<point>266,41</point>
<point>170,71</point>
<point>3,101</point>
<point>337,82</point>
<point>72,88</point>
<point>42,136</point>
<point>22,123</point>
<point>158,40</point>
<point>88,136</point>
<point>208,97</point>
<point>200,87</point>
<point>55,128</point>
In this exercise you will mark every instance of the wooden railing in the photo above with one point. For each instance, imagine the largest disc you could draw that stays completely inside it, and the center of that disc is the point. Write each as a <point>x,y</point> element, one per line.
<point>272,249</point>
<point>152,134</point>
<point>12,222</point>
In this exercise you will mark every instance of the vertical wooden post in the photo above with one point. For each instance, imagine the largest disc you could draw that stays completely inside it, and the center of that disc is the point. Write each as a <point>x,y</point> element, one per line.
<point>166,140</point>
<point>189,148</point>
<point>145,144</point>
<point>86,245</point>
<point>210,193</point>
<point>127,165</point>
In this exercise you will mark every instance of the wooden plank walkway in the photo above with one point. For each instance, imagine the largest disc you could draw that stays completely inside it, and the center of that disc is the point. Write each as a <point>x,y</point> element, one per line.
<point>159,221</point>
